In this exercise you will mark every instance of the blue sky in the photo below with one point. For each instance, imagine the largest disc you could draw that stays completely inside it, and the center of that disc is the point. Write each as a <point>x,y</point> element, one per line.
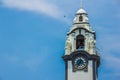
<point>33,34</point>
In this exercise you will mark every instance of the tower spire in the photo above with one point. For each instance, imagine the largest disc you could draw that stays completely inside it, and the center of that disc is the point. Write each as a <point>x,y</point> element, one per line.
<point>81,5</point>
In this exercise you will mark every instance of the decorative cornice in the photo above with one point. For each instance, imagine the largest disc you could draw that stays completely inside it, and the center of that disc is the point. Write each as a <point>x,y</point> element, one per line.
<point>81,14</point>
<point>81,23</point>
<point>80,28</point>
<point>83,53</point>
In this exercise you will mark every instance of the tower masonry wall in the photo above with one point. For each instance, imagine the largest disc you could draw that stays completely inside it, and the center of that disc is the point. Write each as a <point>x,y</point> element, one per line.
<point>80,75</point>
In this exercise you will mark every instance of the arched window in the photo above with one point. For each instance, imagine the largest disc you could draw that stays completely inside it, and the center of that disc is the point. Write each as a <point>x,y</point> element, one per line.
<point>80,42</point>
<point>80,18</point>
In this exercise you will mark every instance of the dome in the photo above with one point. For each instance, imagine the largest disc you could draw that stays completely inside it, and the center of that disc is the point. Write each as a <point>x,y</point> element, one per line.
<point>81,11</point>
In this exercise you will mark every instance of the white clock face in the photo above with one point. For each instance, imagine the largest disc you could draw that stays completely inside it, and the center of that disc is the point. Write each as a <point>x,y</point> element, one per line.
<point>80,63</point>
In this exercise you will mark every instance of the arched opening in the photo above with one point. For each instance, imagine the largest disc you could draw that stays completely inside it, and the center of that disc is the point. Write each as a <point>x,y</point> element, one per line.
<point>80,18</point>
<point>80,42</point>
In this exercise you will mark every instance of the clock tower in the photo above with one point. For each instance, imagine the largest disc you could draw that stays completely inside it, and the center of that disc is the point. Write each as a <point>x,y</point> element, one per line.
<point>81,56</point>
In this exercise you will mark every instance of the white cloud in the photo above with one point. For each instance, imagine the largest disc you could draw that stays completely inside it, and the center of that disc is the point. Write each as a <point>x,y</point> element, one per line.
<point>39,6</point>
<point>32,63</point>
<point>110,66</point>
<point>111,42</point>
<point>108,41</point>
<point>11,59</point>
<point>111,62</point>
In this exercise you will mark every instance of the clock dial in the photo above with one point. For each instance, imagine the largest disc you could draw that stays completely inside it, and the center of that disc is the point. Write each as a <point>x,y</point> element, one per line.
<point>80,63</point>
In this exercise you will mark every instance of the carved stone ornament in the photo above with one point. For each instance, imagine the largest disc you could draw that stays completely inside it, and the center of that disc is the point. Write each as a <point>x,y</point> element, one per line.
<point>68,46</point>
<point>92,43</point>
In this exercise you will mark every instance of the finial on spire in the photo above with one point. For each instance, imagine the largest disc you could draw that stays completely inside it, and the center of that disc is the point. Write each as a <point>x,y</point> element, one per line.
<point>81,4</point>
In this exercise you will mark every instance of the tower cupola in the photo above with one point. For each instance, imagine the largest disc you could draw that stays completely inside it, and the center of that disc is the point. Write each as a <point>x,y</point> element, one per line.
<point>81,11</point>
<point>81,17</point>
